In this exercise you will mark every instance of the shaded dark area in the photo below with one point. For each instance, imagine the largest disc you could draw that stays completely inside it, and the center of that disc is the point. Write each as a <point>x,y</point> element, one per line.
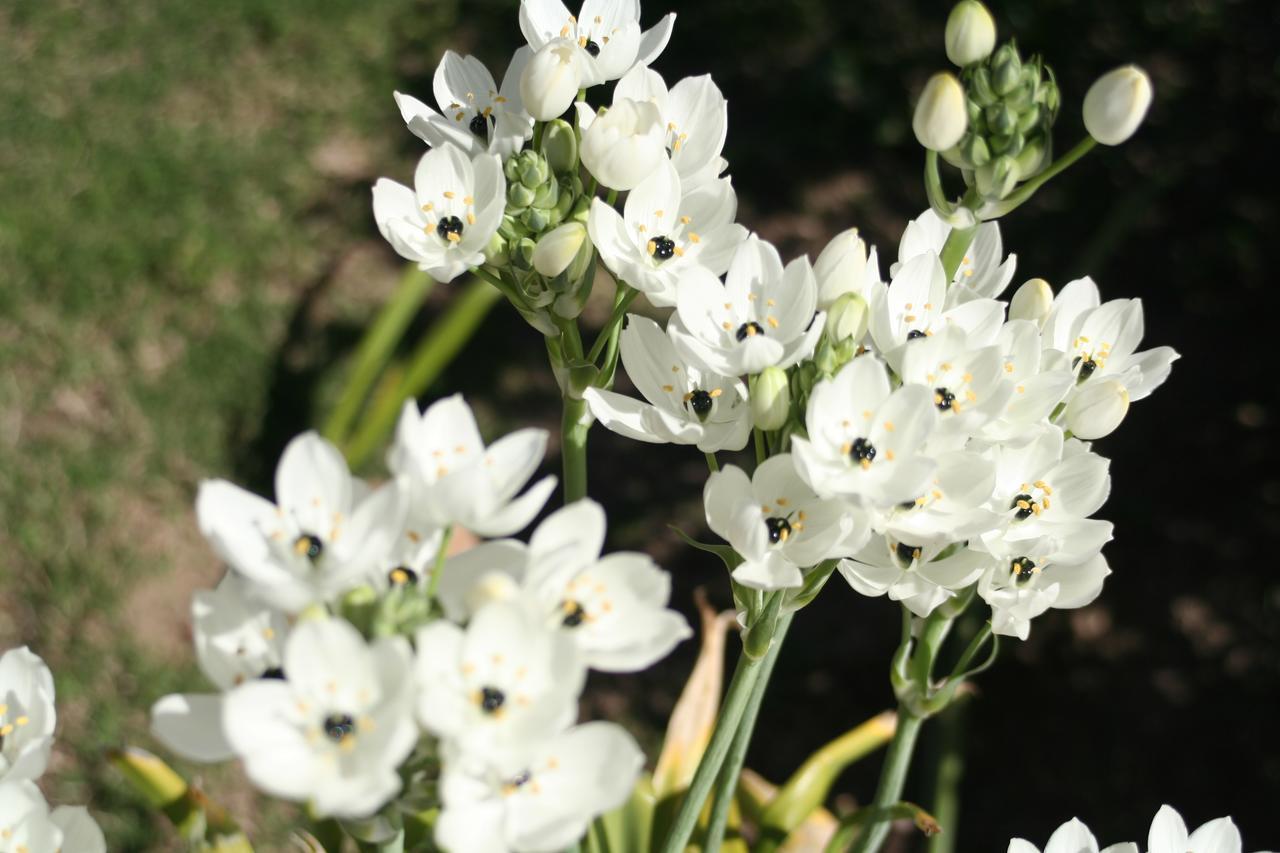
<point>1166,689</point>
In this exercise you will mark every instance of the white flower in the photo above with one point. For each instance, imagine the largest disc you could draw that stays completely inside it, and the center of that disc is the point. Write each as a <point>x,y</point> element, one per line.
<point>1116,104</point>
<point>1168,834</point>
<point>951,508</point>
<point>551,79</point>
<point>507,681</point>
<point>694,115</point>
<point>475,115</point>
<point>914,305</point>
<point>237,639</point>
<point>27,825</point>
<point>336,729</point>
<point>537,796</point>
<point>607,33</point>
<point>970,34</point>
<point>865,441</point>
<point>1072,837</point>
<point>614,607</point>
<point>940,118</point>
<point>1100,340</point>
<point>969,385</point>
<point>27,715</point>
<point>625,145</point>
<point>1097,410</point>
<point>687,404</point>
<point>326,533</point>
<point>776,522</point>
<point>762,315</point>
<point>1038,379</point>
<point>410,561</point>
<point>984,272</point>
<point>844,266</point>
<point>909,572</point>
<point>445,222</point>
<point>1021,587</point>
<point>664,230</point>
<point>455,479</point>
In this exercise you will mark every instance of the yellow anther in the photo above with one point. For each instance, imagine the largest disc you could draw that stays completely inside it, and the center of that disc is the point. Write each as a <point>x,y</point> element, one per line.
<point>772,321</point>
<point>685,220</point>
<point>888,425</point>
<point>668,388</point>
<point>454,238</point>
<point>468,200</point>
<point>448,193</point>
<point>716,393</point>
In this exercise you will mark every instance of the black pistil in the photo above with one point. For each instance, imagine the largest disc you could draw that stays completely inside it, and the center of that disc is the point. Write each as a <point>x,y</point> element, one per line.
<point>701,402</point>
<point>574,615</point>
<point>907,553</point>
<point>942,398</point>
<point>402,576</point>
<point>1025,506</point>
<point>592,48</point>
<point>914,333</point>
<point>662,248</point>
<point>274,672</point>
<point>1023,568</point>
<point>1086,369</point>
<point>338,727</point>
<point>449,225</point>
<point>779,529</point>
<point>747,329</point>
<point>861,450</point>
<point>309,545</point>
<point>491,699</point>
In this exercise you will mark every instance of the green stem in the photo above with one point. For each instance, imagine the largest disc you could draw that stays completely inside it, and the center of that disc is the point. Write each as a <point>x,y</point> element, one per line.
<point>971,651</point>
<point>761,453</point>
<point>892,779</point>
<point>608,335</point>
<point>713,464</point>
<point>434,353</point>
<point>954,249</point>
<point>375,350</point>
<point>437,570</point>
<point>947,776</point>
<point>737,756</point>
<point>574,427</point>
<point>735,703</point>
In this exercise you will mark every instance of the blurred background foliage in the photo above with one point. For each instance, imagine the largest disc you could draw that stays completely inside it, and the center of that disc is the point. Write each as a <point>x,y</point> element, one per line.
<point>187,260</point>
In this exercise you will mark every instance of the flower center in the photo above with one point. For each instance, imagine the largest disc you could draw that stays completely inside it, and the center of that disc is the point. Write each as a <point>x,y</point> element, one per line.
<point>591,47</point>
<point>907,553</point>
<point>662,249</point>
<point>274,672</point>
<point>338,727</point>
<point>491,699</point>
<point>942,398</point>
<point>1087,367</point>
<point>449,225</point>
<point>861,450</point>
<point>517,782</point>
<point>402,576</point>
<point>914,333</point>
<point>308,545</point>
<point>701,402</point>
<point>574,614</point>
<point>779,529</point>
<point>748,329</point>
<point>1023,569</point>
<point>479,126</point>
<point>1025,505</point>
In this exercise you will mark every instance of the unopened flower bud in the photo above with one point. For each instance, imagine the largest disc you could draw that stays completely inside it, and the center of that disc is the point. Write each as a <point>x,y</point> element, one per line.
<point>1031,301</point>
<point>771,399</point>
<point>625,145</point>
<point>496,252</point>
<point>557,249</point>
<point>971,33</point>
<point>551,80</point>
<point>841,267</point>
<point>847,319</point>
<point>1006,69</point>
<point>1097,410</point>
<point>1116,104</point>
<point>998,178</point>
<point>941,116</point>
<point>560,146</point>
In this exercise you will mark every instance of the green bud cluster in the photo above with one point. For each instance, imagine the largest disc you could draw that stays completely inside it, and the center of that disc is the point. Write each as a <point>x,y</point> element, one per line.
<point>1012,103</point>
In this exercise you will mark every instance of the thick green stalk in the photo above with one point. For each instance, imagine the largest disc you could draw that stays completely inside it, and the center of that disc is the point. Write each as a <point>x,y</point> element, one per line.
<point>947,776</point>
<point>375,350</point>
<point>434,353</point>
<point>892,778</point>
<point>953,250</point>
<point>574,427</point>
<point>731,711</point>
<point>728,783</point>
<point>433,586</point>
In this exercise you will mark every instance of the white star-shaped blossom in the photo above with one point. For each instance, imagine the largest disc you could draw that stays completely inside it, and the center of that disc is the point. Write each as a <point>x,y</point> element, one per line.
<point>1072,837</point>
<point>324,535</point>
<point>455,479</point>
<point>952,507</point>
<point>1039,380</point>
<point>984,272</point>
<point>335,730</point>
<point>237,639</point>
<point>762,315</point>
<point>777,524</point>
<point>1168,834</point>
<point>687,404</point>
<point>1027,579</point>
<point>664,230</point>
<point>910,573</point>
<point>969,384</point>
<point>607,33</point>
<point>865,440</point>
<point>445,222</point>
<point>27,715</point>
<point>539,795</point>
<point>914,305</point>
<point>28,826</point>
<point>613,607</point>
<point>475,115</point>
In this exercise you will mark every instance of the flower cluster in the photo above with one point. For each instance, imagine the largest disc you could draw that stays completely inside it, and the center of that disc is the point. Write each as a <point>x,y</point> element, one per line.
<point>351,653</point>
<point>1168,834</point>
<point>27,721</point>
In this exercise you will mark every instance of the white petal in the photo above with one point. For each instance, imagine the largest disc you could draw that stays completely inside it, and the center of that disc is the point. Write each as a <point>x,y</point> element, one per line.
<point>191,725</point>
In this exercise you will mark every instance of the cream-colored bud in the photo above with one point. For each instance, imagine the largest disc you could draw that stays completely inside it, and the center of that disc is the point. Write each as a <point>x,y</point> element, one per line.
<point>941,116</point>
<point>770,399</point>
<point>1116,104</point>
<point>971,33</point>
<point>841,267</point>
<point>551,80</point>
<point>557,249</point>
<point>1031,301</point>
<point>1098,409</point>
<point>847,318</point>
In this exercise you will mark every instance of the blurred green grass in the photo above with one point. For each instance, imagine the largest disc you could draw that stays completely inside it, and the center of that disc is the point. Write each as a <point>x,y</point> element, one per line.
<point>171,174</point>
